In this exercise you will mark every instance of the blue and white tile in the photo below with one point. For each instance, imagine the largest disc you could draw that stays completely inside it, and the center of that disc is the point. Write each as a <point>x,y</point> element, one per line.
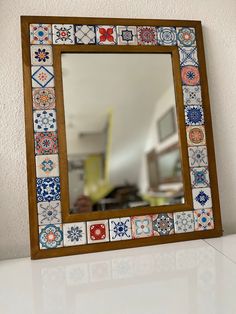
<point>127,35</point>
<point>41,55</point>
<point>74,233</point>
<point>106,35</point>
<point>42,76</point>
<point>45,120</point>
<point>186,36</point>
<point>198,156</point>
<point>200,177</point>
<point>188,56</point>
<point>194,115</point>
<point>192,95</point>
<point>166,36</point>
<point>120,229</point>
<point>85,34</point>
<point>203,219</point>
<point>47,166</point>
<point>63,34</point>
<point>184,222</point>
<point>48,189</point>
<point>202,198</point>
<point>49,213</point>
<point>41,34</point>
<point>50,236</point>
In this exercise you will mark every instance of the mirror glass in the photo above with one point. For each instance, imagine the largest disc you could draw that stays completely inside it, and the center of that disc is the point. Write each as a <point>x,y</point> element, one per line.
<point>121,131</point>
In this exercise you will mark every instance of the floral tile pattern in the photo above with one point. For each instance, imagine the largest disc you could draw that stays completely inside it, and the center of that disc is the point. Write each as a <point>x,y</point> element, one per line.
<point>198,156</point>
<point>147,35</point>
<point>85,34</point>
<point>63,34</point>
<point>203,219</point>
<point>188,56</point>
<point>186,36</point>
<point>50,236</point>
<point>43,98</point>
<point>46,143</point>
<point>202,198</point>
<point>163,224</point>
<point>184,222</point>
<point>192,95</point>
<point>196,135</point>
<point>127,35</point>
<point>166,36</point>
<point>106,35</point>
<point>49,212</point>
<point>141,226</point>
<point>48,189</point>
<point>120,229</point>
<point>40,34</point>
<point>47,166</point>
<point>190,75</point>
<point>194,115</point>
<point>45,121</point>
<point>199,177</point>
<point>41,55</point>
<point>97,231</point>
<point>74,233</point>
<point>42,76</point>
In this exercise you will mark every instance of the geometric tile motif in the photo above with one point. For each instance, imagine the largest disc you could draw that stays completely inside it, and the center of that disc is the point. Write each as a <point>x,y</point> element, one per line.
<point>141,226</point>
<point>198,156</point>
<point>166,36</point>
<point>106,35</point>
<point>196,135</point>
<point>188,56</point>
<point>199,177</point>
<point>97,231</point>
<point>127,35</point>
<point>147,35</point>
<point>41,54</point>
<point>45,143</point>
<point>192,95</point>
<point>202,198</point>
<point>163,224</point>
<point>47,166</point>
<point>49,212</point>
<point>48,189</point>
<point>203,219</point>
<point>74,233</point>
<point>40,34</point>
<point>85,34</point>
<point>120,229</point>
<point>50,236</point>
<point>63,34</point>
<point>43,98</point>
<point>42,76</point>
<point>194,115</point>
<point>186,36</point>
<point>184,222</point>
<point>190,75</point>
<point>45,120</point>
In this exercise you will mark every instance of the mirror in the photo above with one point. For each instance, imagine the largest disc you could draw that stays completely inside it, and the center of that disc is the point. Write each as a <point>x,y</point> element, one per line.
<point>118,108</point>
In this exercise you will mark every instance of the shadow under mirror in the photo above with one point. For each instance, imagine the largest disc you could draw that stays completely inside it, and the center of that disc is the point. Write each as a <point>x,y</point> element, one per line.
<point>122,131</point>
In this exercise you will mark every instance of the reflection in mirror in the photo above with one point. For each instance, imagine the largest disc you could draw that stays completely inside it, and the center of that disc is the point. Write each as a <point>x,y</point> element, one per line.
<point>121,130</point>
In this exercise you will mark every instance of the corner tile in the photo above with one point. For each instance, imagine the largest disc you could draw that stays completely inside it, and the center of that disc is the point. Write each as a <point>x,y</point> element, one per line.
<point>202,198</point>
<point>106,35</point>
<point>163,224</point>
<point>63,34</point>
<point>120,229</point>
<point>47,166</point>
<point>141,226</point>
<point>186,36</point>
<point>127,35</point>
<point>74,233</point>
<point>97,231</point>
<point>41,34</point>
<point>50,236</point>
<point>196,135</point>
<point>49,213</point>
<point>203,219</point>
<point>166,36</point>
<point>184,222</point>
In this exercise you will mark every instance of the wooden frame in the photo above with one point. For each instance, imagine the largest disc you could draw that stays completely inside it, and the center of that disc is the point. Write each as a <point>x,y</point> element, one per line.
<point>37,233</point>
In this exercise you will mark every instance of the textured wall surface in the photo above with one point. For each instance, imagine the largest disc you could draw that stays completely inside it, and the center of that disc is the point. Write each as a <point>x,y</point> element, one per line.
<point>219,29</point>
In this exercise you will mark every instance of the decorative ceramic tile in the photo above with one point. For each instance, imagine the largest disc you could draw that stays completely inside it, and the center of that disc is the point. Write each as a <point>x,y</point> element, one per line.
<point>45,120</point>
<point>166,36</point>
<point>45,143</point>
<point>48,189</point>
<point>190,75</point>
<point>141,226</point>
<point>41,55</point>
<point>50,236</point>
<point>97,231</point>
<point>74,233</point>
<point>106,35</point>
<point>202,198</point>
<point>49,212</point>
<point>192,95</point>
<point>188,56</point>
<point>63,34</point>
<point>163,224</point>
<point>85,34</point>
<point>120,229</point>
<point>199,177</point>
<point>196,135</point>
<point>127,35</point>
<point>184,222</point>
<point>203,219</point>
<point>194,115</point>
<point>147,35</point>
<point>42,76</point>
<point>43,98</point>
<point>198,156</point>
<point>47,166</point>
<point>186,36</point>
<point>40,34</point>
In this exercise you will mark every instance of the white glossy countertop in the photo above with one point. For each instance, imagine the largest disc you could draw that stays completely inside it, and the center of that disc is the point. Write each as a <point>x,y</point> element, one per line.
<point>188,278</point>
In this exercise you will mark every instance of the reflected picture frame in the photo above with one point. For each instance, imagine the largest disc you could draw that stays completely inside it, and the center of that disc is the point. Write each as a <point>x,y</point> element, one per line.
<point>166,125</point>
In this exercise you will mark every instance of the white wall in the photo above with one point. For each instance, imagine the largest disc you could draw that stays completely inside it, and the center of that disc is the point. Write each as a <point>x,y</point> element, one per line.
<point>219,22</point>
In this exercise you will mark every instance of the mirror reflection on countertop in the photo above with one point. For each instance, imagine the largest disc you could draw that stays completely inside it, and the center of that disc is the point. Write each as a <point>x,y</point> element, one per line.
<point>121,130</point>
